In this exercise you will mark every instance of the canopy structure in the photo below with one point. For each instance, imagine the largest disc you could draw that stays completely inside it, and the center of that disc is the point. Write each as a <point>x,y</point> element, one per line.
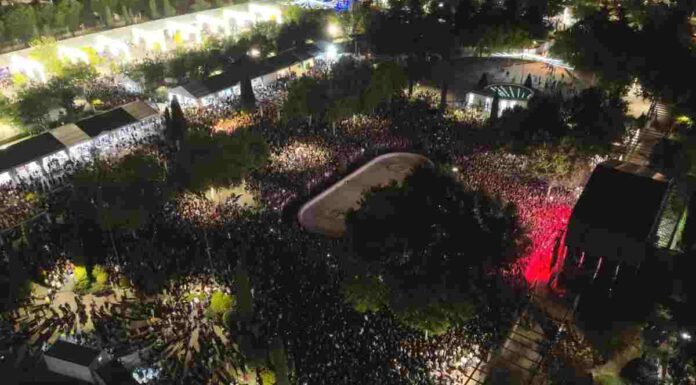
<point>70,135</point>
<point>509,96</point>
<point>29,150</point>
<point>202,92</point>
<point>616,215</point>
<point>41,149</point>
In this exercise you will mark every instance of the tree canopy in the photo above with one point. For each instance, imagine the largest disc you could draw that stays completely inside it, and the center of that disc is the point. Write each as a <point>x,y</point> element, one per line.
<point>423,245</point>
<point>210,160</point>
<point>119,196</point>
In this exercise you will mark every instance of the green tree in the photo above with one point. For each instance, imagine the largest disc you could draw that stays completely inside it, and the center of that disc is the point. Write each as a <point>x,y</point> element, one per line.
<point>82,279</point>
<point>68,15</point>
<point>8,112</point>
<point>443,76</point>
<point>101,276</point>
<point>366,294</point>
<point>342,109</point>
<point>596,120</point>
<point>388,79</point>
<point>430,242</point>
<point>208,161</point>
<point>20,22</point>
<point>45,51</point>
<point>200,5</point>
<point>176,125</point>
<point>220,303</point>
<point>247,96</point>
<point>153,12</point>
<point>167,8</point>
<point>44,18</point>
<point>306,98</point>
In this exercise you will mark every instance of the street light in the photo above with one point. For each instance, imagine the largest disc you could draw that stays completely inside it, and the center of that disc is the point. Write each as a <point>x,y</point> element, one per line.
<point>331,52</point>
<point>333,30</point>
<point>685,336</point>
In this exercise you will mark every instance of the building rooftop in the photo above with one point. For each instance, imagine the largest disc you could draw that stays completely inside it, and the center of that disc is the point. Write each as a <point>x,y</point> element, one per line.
<point>27,150</point>
<point>67,351</point>
<point>617,211</point>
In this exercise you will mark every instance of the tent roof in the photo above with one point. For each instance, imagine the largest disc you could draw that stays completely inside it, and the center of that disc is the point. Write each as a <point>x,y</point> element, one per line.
<point>116,118</point>
<point>140,110</point>
<point>69,135</point>
<point>70,352</point>
<point>617,210</point>
<point>107,121</point>
<point>235,73</point>
<point>29,150</point>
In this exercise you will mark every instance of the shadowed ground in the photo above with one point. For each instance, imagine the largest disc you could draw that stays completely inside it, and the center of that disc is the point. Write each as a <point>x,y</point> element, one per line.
<point>325,214</point>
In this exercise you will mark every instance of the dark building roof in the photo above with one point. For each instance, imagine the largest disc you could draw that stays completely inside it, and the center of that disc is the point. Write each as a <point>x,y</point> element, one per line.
<point>235,73</point>
<point>114,373</point>
<point>110,120</point>
<point>70,352</point>
<point>617,211</point>
<point>28,150</point>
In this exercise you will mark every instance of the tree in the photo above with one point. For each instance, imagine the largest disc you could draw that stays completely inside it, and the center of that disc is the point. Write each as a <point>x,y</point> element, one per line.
<point>528,81</point>
<point>82,280</point>
<point>306,98</point>
<point>177,125</point>
<point>443,75</point>
<point>68,15</point>
<point>599,45</point>
<point>8,112</point>
<point>200,5</point>
<point>220,303</point>
<point>101,276</point>
<point>415,69</point>
<point>167,8</point>
<point>429,241</point>
<point>596,120</point>
<point>20,22</point>
<point>122,195</point>
<point>152,9</point>
<point>215,160</point>
<point>483,81</point>
<point>45,51</point>
<point>44,18</point>
<point>495,106</point>
<point>366,294</point>
<point>247,94</point>
<point>388,79</point>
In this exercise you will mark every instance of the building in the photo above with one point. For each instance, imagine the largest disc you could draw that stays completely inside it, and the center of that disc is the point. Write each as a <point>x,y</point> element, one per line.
<point>509,96</point>
<point>72,360</point>
<point>614,222</point>
<point>47,153</point>
<point>263,73</point>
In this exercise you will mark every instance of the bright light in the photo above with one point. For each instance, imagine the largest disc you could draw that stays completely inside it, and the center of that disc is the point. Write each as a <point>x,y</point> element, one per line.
<point>331,52</point>
<point>333,30</point>
<point>267,12</point>
<point>455,169</point>
<point>441,5</point>
<point>116,48</point>
<point>254,52</point>
<point>685,336</point>
<point>31,68</point>
<point>73,55</point>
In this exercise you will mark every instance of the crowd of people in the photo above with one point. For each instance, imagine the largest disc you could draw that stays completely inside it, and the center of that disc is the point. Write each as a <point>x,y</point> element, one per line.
<point>296,281</point>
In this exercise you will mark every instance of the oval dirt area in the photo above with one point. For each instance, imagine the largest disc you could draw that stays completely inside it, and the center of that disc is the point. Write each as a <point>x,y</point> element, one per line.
<point>325,214</point>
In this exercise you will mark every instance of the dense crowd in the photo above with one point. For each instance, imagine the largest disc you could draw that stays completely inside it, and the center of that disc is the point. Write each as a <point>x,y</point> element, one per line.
<point>296,282</point>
